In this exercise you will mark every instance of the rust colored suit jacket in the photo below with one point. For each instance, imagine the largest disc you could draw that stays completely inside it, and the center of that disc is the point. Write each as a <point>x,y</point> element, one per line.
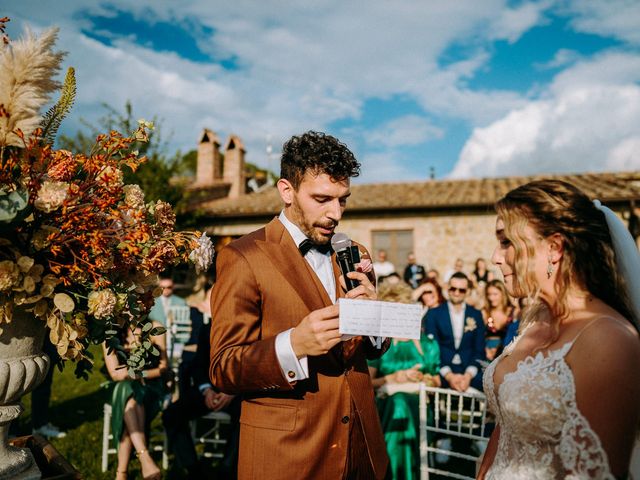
<point>264,286</point>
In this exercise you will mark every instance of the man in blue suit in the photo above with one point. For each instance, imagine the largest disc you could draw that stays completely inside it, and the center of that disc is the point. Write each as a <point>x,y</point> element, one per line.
<point>459,330</point>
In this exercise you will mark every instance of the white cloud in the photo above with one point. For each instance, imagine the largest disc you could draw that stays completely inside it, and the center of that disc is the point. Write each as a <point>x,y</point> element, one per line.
<point>304,70</point>
<point>587,120</point>
<point>617,18</point>
<point>382,167</point>
<point>511,23</point>
<point>562,58</point>
<point>592,128</point>
<point>625,155</point>
<point>610,68</point>
<point>306,66</point>
<point>407,130</point>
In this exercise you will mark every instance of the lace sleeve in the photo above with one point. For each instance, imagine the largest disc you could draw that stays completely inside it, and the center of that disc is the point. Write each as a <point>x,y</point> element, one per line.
<point>581,452</point>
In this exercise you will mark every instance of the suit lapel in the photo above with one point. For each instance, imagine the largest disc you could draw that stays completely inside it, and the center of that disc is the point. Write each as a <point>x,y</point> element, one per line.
<point>465,333</point>
<point>281,250</point>
<point>448,328</point>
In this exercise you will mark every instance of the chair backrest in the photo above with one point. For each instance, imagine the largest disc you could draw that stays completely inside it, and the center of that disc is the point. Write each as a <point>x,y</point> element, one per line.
<point>178,331</point>
<point>179,323</point>
<point>455,415</point>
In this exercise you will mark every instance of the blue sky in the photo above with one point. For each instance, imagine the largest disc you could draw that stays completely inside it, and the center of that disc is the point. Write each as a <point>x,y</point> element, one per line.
<point>462,89</point>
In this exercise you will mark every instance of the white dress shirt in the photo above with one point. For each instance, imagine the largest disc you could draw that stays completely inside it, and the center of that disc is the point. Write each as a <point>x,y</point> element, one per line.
<point>295,369</point>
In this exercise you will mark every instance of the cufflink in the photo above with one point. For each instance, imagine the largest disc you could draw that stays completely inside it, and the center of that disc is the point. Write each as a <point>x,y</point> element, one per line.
<point>291,374</point>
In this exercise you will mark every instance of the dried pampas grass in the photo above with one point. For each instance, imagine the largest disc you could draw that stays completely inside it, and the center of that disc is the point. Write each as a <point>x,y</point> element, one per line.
<point>27,70</point>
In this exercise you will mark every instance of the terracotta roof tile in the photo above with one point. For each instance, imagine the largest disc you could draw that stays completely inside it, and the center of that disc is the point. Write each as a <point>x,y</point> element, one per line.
<point>433,194</point>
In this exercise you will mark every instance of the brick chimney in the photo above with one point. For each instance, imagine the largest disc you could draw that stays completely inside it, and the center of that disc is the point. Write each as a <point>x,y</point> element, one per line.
<point>209,163</point>
<point>234,166</point>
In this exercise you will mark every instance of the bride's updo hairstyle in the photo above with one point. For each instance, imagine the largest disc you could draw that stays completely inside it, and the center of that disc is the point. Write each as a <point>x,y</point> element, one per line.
<point>554,206</point>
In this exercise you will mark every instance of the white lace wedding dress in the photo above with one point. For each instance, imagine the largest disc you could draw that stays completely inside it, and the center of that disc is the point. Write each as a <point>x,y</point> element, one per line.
<point>543,435</point>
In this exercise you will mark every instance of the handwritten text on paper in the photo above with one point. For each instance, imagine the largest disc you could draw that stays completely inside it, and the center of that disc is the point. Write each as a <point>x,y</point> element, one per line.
<point>380,319</point>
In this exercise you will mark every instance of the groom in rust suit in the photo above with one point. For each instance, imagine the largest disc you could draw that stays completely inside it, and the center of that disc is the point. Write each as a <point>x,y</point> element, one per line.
<point>308,408</point>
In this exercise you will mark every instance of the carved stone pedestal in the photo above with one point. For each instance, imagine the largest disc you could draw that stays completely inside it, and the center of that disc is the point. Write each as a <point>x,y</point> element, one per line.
<point>22,367</point>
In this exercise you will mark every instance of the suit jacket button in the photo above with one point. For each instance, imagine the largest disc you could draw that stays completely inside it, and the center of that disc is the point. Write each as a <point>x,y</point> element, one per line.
<point>291,374</point>
<point>345,419</point>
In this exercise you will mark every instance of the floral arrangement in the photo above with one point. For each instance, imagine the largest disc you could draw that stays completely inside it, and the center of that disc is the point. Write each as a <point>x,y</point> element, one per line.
<point>79,249</point>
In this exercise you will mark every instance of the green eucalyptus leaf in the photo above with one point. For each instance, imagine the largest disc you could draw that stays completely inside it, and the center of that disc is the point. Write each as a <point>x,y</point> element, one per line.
<point>12,204</point>
<point>157,331</point>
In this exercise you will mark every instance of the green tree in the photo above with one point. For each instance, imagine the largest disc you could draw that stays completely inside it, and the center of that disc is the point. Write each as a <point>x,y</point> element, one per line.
<point>159,175</point>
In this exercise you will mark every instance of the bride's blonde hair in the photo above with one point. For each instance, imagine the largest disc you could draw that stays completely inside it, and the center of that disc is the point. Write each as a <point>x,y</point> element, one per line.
<point>550,207</point>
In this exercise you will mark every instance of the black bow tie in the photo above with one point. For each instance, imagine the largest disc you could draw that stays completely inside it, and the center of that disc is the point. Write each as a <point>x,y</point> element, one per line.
<point>307,245</point>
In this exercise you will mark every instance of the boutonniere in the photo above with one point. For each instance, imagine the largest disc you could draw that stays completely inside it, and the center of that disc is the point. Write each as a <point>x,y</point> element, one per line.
<point>470,325</point>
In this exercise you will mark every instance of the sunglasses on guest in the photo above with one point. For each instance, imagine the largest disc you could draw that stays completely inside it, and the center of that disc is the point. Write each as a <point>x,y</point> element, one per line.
<point>456,289</point>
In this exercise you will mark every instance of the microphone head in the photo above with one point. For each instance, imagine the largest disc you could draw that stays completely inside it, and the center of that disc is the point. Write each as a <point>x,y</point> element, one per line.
<point>340,242</point>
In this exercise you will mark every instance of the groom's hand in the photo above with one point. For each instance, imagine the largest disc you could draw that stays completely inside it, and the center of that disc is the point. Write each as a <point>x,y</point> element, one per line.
<point>364,291</point>
<point>317,333</point>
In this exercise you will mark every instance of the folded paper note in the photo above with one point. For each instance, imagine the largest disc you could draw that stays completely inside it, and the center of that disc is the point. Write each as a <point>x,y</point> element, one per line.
<point>380,319</point>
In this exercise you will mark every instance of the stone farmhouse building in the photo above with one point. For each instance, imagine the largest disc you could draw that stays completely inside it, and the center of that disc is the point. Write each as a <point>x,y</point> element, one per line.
<point>438,220</point>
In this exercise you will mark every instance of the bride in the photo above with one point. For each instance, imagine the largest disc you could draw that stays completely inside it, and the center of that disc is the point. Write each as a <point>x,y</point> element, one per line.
<point>566,392</point>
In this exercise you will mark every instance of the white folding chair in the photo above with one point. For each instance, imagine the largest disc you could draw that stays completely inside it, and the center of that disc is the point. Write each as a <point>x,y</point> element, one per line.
<point>109,449</point>
<point>461,415</point>
<point>212,436</point>
<point>178,332</point>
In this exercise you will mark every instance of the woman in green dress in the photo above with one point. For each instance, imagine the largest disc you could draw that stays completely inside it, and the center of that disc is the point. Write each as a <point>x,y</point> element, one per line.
<point>396,376</point>
<point>134,404</point>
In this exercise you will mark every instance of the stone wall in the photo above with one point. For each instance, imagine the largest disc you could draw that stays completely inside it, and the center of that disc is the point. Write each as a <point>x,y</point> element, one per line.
<point>438,239</point>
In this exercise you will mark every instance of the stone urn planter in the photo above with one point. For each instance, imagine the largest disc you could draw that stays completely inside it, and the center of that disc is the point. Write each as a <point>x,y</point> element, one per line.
<point>22,367</point>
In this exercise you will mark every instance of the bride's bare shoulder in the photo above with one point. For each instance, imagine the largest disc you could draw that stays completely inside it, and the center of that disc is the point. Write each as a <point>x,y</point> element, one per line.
<point>608,340</point>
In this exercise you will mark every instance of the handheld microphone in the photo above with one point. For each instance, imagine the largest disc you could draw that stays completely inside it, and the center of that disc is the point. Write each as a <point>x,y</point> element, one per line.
<point>341,244</point>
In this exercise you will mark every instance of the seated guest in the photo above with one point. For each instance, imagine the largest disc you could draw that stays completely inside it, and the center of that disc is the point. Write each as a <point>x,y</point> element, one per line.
<point>383,267</point>
<point>397,373</point>
<point>481,275</point>
<point>429,295</point>
<point>414,273</point>
<point>434,275</point>
<point>498,314</point>
<point>458,329</point>
<point>391,279</point>
<point>513,329</point>
<point>197,316</point>
<point>458,267</point>
<point>193,403</point>
<point>475,296</point>
<point>134,404</point>
<point>160,310</point>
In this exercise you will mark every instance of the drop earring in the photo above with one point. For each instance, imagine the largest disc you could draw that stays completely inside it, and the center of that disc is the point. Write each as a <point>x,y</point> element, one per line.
<point>549,268</point>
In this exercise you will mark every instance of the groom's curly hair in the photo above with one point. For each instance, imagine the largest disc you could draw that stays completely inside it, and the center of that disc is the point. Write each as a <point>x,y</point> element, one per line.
<point>317,153</point>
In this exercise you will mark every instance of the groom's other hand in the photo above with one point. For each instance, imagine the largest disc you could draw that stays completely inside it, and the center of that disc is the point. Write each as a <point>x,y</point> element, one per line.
<point>317,333</point>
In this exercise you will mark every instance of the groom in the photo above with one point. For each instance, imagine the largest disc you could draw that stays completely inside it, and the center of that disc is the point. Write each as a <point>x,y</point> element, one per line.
<point>459,330</point>
<point>308,407</point>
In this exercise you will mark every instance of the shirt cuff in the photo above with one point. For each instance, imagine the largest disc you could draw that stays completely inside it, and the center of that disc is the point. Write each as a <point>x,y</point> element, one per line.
<point>471,370</point>
<point>204,386</point>
<point>444,371</point>
<point>293,369</point>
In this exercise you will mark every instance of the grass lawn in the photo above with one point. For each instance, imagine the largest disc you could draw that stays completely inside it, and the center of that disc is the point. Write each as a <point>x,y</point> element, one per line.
<point>77,407</point>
